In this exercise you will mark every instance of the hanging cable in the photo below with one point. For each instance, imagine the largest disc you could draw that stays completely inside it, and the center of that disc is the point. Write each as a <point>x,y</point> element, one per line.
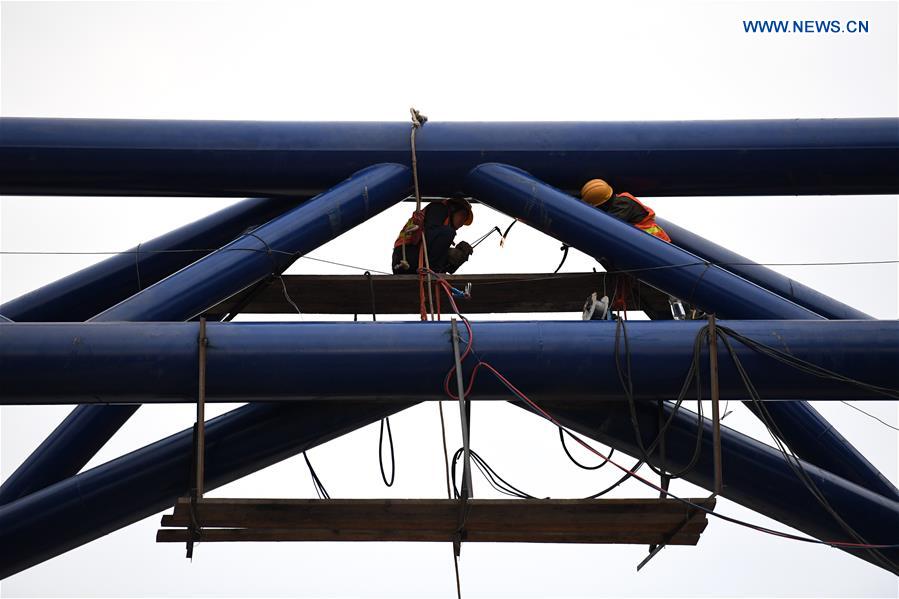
<point>386,422</point>
<point>790,457</point>
<point>505,235</point>
<point>807,367</point>
<point>316,481</point>
<point>869,415</point>
<point>490,475</point>
<point>562,433</point>
<point>287,296</point>
<point>632,473</point>
<point>564,248</point>
<point>693,373</point>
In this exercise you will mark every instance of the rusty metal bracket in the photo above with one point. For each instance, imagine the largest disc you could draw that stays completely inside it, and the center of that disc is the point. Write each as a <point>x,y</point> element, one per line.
<point>465,417</point>
<point>197,482</point>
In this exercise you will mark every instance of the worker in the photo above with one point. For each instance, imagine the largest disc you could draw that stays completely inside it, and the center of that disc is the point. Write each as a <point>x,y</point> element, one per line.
<point>623,206</point>
<point>626,207</point>
<point>439,221</point>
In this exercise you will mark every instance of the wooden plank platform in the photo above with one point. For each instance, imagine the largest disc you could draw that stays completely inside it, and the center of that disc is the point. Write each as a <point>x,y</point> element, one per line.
<point>398,294</point>
<point>626,521</point>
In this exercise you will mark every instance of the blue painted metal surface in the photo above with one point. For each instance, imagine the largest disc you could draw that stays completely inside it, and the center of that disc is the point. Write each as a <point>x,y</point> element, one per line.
<point>755,475</point>
<point>227,158</point>
<point>91,290</point>
<point>661,265</point>
<point>269,249</point>
<point>760,275</point>
<point>571,360</point>
<point>808,436</point>
<point>144,482</point>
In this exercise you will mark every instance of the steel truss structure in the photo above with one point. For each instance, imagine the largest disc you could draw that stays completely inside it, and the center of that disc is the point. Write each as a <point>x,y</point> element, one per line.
<point>142,316</point>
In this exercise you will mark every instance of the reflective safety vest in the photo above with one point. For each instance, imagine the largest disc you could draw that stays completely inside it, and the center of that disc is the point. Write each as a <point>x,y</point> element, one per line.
<point>410,234</point>
<point>648,223</point>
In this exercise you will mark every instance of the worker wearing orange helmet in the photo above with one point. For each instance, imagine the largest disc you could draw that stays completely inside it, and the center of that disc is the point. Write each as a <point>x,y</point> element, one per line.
<point>624,206</point>
<point>439,221</point>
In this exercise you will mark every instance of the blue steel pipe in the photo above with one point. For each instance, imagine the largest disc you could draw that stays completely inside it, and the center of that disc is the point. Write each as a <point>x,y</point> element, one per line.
<point>793,424</point>
<point>755,475</point>
<point>662,265</point>
<point>144,482</point>
<point>762,276</point>
<point>266,250</point>
<point>226,158</point>
<point>270,249</point>
<point>572,360</point>
<point>91,290</point>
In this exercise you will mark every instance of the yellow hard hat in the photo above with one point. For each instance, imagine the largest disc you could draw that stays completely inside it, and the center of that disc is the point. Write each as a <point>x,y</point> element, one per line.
<point>596,192</point>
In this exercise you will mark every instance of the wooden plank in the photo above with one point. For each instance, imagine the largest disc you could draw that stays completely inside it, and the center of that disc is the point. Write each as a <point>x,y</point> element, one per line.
<point>438,514</point>
<point>641,521</point>
<point>179,535</point>
<point>398,294</point>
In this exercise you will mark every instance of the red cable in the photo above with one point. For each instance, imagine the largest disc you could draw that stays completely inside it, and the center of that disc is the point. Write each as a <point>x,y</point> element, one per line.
<point>624,469</point>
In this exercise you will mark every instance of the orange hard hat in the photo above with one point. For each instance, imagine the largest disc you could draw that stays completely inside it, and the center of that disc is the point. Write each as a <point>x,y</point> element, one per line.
<point>596,192</point>
<point>463,204</point>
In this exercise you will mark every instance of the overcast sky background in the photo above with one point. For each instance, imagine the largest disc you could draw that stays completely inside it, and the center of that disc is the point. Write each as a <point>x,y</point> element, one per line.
<point>476,61</point>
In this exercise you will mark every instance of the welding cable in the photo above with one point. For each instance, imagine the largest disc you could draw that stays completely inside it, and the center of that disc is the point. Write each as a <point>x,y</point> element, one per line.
<point>562,433</point>
<point>693,373</point>
<point>564,248</point>
<point>791,458</point>
<point>381,453</point>
<point>316,481</point>
<point>631,473</point>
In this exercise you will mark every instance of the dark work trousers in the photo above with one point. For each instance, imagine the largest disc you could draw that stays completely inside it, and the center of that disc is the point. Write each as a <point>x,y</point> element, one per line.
<point>439,240</point>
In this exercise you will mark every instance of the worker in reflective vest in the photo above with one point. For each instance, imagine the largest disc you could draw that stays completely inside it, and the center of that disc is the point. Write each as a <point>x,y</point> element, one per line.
<point>439,221</point>
<point>624,206</point>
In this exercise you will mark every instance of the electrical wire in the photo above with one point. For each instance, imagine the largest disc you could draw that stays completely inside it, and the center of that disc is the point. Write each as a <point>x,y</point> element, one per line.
<point>493,478</point>
<point>630,473</point>
<point>210,250</point>
<point>381,453</point>
<point>693,373</point>
<point>790,457</point>
<point>287,296</point>
<point>316,481</point>
<point>869,415</point>
<point>807,367</point>
<point>562,433</point>
<point>144,252</point>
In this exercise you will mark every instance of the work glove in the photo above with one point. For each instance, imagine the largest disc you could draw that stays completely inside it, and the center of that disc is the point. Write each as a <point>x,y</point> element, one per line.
<point>465,248</point>
<point>455,258</point>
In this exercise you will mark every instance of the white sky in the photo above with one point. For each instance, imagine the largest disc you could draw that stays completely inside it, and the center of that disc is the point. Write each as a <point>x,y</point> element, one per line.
<point>475,61</point>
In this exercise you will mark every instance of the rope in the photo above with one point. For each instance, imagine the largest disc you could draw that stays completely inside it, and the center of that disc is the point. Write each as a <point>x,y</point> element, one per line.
<point>418,121</point>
